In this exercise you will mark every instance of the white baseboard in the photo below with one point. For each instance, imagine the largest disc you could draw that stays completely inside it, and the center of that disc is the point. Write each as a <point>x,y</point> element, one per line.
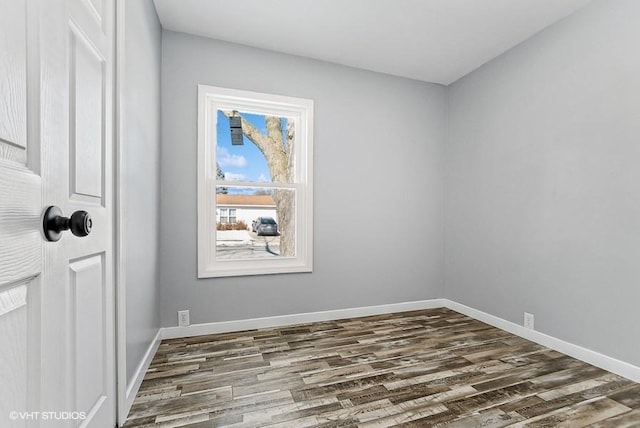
<point>138,376</point>
<point>284,320</point>
<point>597,359</point>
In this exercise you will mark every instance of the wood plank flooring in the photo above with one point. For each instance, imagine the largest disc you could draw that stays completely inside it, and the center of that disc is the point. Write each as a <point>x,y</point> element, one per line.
<point>412,369</point>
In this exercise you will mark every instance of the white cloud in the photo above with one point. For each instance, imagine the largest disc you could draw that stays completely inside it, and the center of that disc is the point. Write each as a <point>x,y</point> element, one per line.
<point>226,159</point>
<point>232,176</point>
<point>263,178</point>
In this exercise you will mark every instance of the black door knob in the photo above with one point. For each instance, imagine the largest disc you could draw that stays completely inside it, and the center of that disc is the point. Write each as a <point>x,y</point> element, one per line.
<point>54,223</point>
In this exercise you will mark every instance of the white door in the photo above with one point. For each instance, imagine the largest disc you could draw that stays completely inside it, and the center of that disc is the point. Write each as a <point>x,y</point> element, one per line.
<point>56,298</point>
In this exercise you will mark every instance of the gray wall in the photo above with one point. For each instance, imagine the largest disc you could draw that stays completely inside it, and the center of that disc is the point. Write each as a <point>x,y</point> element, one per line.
<point>543,182</point>
<point>141,170</point>
<point>378,177</point>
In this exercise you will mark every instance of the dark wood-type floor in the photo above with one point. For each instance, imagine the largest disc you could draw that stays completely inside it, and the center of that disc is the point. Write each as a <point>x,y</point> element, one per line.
<point>411,369</point>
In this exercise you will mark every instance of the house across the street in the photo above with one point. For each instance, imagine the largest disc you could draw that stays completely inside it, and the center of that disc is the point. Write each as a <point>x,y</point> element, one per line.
<point>233,208</point>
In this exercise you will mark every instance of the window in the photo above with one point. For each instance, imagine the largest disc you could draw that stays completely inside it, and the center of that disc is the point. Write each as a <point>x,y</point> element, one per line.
<point>227,215</point>
<point>254,154</point>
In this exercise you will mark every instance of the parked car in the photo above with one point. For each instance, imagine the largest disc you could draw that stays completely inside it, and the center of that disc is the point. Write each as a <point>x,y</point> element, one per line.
<point>256,222</point>
<point>265,226</point>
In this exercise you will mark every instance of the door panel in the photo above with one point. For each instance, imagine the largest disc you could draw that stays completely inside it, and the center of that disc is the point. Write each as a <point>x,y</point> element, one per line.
<point>87,111</point>
<point>90,345</point>
<point>13,80</point>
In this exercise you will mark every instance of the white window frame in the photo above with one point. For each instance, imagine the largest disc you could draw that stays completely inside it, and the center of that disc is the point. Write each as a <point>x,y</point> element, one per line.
<point>210,100</point>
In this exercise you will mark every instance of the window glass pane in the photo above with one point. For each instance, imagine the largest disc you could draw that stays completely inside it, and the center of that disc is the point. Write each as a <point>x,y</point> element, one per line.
<point>222,216</point>
<point>266,153</point>
<point>263,225</point>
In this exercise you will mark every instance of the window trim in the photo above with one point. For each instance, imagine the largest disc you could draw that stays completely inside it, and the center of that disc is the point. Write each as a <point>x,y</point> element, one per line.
<point>210,100</point>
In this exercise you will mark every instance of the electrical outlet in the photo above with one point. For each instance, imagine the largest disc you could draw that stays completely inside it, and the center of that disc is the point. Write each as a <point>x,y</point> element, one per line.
<point>528,321</point>
<point>183,318</point>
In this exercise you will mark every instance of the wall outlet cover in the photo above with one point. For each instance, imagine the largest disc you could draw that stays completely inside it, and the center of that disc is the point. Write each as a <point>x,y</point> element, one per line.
<point>528,321</point>
<point>183,318</point>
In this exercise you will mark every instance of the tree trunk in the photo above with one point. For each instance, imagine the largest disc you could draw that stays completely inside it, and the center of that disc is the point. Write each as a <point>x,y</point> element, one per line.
<point>280,162</point>
<point>284,207</point>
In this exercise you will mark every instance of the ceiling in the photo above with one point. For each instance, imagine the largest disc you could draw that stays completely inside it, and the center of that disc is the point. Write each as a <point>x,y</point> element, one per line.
<point>431,40</point>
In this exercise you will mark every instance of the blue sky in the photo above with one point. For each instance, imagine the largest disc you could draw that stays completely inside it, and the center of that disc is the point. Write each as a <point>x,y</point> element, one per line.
<point>241,163</point>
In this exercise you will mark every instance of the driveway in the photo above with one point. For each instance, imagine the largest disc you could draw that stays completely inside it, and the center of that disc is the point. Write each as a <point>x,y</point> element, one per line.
<point>243,244</point>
